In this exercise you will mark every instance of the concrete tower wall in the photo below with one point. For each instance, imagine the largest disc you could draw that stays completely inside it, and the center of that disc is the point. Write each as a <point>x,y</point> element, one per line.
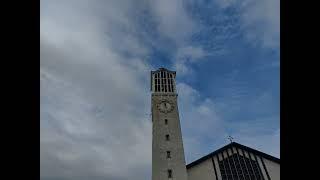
<point>167,123</point>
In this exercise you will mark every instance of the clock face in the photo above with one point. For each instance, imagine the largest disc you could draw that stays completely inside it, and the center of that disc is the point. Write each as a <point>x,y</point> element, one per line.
<point>165,106</point>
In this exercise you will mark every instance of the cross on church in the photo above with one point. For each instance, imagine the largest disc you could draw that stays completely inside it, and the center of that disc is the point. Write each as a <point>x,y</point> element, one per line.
<point>230,139</point>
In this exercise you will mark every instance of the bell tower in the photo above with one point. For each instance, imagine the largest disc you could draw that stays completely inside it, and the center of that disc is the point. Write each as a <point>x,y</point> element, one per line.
<point>168,161</point>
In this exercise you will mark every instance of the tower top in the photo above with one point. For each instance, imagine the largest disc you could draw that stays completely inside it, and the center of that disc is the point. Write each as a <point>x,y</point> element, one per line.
<point>163,69</point>
<point>163,81</point>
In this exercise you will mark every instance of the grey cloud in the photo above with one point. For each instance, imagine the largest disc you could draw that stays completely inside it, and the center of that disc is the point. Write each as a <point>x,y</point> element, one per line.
<point>93,103</point>
<point>200,122</point>
<point>174,20</point>
<point>79,140</point>
<point>260,20</point>
<point>95,121</point>
<point>269,141</point>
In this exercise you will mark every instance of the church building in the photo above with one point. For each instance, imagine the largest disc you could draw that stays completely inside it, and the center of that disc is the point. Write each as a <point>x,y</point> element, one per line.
<point>231,162</point>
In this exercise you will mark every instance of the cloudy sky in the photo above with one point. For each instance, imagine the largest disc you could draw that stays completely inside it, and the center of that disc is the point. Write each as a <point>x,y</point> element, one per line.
<point>96,58</point>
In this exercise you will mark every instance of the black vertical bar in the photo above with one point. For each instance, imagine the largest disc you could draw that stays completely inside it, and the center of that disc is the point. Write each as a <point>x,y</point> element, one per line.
<point>260,172</point>
<point>229,165</point>
<point>224,166</point>
<point>156,86</point>
<point>233,164</point>
<point>160,73</point>
<point>159,81</point>
<point>171,85</point>
<point>165,85</point>
<point>245,164</point>
<point>265,168</point>
<point>239,163</point>
<point>214,167</point>
<point>165,81</point>
<point>251,165</point>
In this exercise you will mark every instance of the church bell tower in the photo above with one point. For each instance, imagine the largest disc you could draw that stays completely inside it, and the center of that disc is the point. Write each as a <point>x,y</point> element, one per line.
<point>168,161</point>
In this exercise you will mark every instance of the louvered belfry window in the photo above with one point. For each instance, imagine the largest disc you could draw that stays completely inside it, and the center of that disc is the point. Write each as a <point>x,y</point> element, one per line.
<point>164,81</point>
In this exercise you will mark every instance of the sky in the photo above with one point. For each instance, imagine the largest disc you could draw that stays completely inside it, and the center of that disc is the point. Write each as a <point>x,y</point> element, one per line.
<point>95,62</point>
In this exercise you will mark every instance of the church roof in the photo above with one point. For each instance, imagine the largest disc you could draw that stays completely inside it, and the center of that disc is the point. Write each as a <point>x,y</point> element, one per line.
<point>234,144</point>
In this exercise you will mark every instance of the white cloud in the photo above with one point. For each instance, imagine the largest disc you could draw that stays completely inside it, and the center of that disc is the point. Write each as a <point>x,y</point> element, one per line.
<point>205,130</point>
<point>90,119</point>
<point>199,121</point>
<point>174,21</point>
<point>177,24</point>
<point>261,133</point>
<point>185,56</point>
<point>193,53</point>
<point>260,20</point>
<point>93,94</point>
<point>77,126</point>
<point>225,3</point>
<point>268,143</point>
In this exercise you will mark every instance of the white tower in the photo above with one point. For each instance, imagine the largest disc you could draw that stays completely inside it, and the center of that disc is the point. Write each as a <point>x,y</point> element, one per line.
<point>168,161</point>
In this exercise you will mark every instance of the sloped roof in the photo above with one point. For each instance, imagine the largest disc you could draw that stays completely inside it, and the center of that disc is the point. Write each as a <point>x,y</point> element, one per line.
<point>234,144</point>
